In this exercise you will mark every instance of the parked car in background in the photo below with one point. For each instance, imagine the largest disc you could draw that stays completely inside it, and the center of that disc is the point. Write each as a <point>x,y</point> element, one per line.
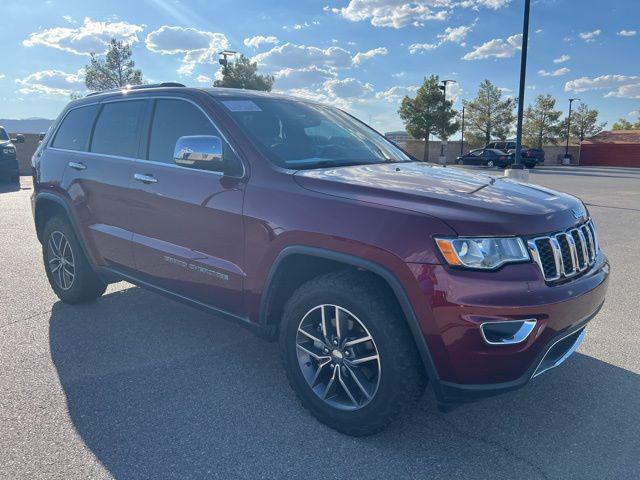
<point>530,156</point>
<point>487,157</point>
<point>378,275</point>
<point>8,158</point>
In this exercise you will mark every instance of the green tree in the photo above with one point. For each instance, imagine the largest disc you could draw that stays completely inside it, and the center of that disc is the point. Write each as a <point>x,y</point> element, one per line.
<point>115,70</point>
<point>584,122</point>
<point>489,115</point>
<point>427,114</point>
<point>243,73</point>
<point>624,124</point>
<point>542,123</point>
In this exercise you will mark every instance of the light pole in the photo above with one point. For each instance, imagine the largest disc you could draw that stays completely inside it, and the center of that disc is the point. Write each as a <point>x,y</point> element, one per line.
<point>566,149</point>
<point>523,73</point>
<point>462,139</point>
<point>224,61</point>
<point>443,87</point>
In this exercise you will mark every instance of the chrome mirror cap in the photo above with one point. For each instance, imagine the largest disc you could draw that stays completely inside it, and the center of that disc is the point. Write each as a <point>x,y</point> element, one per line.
<point>204,151</point>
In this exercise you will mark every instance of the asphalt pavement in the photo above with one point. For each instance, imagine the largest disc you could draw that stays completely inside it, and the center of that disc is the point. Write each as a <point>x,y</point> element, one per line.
<point>135,386</point>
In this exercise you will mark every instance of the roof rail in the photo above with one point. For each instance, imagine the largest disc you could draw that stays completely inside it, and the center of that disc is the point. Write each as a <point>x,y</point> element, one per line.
<point>137,87</point>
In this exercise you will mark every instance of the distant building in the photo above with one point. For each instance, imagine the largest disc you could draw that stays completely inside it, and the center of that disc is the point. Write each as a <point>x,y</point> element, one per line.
<point>615,148</point>
<point>398,136</point>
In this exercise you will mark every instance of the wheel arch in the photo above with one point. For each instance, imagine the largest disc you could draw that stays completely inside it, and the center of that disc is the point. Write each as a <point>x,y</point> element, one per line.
<point>47,205</point>
<point>318,261</point>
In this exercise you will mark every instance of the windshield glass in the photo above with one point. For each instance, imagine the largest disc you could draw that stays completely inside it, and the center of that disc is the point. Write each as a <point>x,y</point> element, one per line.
<point>3,135</point>
<point>300,135</point>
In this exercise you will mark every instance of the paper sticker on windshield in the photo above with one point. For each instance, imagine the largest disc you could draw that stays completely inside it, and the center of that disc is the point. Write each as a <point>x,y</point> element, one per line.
<point>241,106</point>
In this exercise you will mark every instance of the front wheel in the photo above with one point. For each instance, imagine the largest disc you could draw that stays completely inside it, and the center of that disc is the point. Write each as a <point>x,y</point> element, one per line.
<point>490,164</point>
<point>348,353</point>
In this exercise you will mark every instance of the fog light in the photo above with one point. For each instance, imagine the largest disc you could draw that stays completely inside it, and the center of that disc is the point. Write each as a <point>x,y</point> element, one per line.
<point>507,332</point>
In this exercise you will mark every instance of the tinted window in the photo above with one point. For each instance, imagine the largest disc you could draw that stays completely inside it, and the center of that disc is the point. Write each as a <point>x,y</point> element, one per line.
<point>117,130</point>
<point>73,133</point>
<point>173,119</point>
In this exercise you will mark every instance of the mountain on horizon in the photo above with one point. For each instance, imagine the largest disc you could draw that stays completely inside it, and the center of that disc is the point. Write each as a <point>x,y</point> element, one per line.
<point>26,125</point>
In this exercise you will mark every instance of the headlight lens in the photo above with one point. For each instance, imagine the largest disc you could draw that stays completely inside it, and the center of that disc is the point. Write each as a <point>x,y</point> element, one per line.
<point>482,253</point>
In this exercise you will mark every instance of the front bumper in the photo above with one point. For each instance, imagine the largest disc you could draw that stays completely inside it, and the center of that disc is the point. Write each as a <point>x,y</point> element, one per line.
<point>454,303</point>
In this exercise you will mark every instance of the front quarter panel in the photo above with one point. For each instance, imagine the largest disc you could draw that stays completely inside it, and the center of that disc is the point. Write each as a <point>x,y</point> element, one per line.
<point>279,213</point>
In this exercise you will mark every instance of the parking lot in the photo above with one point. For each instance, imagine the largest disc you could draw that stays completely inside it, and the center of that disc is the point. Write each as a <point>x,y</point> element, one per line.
<point>137,386</point>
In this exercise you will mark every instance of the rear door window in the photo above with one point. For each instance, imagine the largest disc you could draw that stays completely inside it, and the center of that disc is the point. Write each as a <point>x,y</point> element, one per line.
<point>118,128</point>
<point>74,130</point>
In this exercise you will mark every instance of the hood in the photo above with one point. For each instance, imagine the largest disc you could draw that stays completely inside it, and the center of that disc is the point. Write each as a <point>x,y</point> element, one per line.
<point>472,204</point>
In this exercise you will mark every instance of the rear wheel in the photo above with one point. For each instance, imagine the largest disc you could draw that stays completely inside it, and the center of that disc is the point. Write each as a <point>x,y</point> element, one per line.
<point>490,164</point>
<point>68,270</point>
<point>348,353</point>
<point>530,165</point>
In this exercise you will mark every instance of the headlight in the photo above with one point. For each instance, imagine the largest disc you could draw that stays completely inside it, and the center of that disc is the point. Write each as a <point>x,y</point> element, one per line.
<point>9,150</point>
<point>482,253</point>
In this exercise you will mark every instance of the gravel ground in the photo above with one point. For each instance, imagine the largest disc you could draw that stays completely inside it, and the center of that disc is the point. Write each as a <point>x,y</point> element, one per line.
<point>136,386</point>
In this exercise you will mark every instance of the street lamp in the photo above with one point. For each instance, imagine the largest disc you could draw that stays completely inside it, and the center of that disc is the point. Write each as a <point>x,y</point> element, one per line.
<point>523,73</point>
<point>443,87</point>
<point>462,138</point>
<point>566,149</point>
<point>223,61</point>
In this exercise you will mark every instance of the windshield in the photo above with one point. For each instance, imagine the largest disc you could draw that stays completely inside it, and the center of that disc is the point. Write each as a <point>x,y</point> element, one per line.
<point>300,135</point>
<point>3,135</point>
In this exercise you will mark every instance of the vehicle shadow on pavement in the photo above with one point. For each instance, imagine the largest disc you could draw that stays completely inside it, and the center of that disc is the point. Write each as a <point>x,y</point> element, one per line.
<point>6,187</point>
<point>159,390</point>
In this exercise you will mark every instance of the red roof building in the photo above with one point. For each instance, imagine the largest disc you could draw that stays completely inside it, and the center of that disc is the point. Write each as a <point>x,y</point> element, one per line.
<point>615,148</point>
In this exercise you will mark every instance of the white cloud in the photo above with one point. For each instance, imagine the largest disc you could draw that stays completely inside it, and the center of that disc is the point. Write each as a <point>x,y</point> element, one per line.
<point>634,113</point>
<point>203,79</point>
<point>69,19</point>
<point>621,86</point>
<point>2,75</point>
<point>450,34</point>
<point>398,75</point>
<point>348,88</point>
<point>300,26</point>
<point>258,40</point>
<point>396,93</point>
<point>496,48</point>
<point>195,46</point>
<point>422,47</point>
<point>291,78</point>
<point>52,82</point>
<point>627,33</point>
<point>363,56</point>
<point>631,90</point>
<point>556,73</point>
<point>562,59</point>
<point>89,37</point>
<point>401,13</point>
<point>290,55</point>
<point>590,36</point>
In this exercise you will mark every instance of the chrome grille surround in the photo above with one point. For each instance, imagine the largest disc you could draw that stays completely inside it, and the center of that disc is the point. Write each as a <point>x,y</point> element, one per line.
<point>565,254</point>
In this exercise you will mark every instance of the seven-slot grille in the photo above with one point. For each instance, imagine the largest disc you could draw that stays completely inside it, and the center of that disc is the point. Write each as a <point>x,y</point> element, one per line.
<point>565,254</point>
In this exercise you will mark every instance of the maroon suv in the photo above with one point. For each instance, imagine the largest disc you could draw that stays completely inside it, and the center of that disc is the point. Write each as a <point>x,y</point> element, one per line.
<point>376,273</point>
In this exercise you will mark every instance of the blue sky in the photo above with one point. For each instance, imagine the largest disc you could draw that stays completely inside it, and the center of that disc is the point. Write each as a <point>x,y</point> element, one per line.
<point>363,55</point>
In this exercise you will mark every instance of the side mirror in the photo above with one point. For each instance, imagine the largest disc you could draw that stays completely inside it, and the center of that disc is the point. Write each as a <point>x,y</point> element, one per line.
<point>199,151</point>
<point>19,138</point>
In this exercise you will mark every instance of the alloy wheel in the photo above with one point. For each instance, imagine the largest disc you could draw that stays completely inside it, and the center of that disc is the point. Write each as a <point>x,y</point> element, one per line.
<point>490,164</point>
<point>338,357</point>
<point>61,262</point>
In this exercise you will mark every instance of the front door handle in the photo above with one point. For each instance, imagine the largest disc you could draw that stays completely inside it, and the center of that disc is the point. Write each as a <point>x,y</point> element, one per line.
<point>77,165</point>
<point>144,178</point>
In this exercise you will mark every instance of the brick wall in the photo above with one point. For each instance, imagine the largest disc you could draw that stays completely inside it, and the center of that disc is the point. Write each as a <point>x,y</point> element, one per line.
<point>25,151</point>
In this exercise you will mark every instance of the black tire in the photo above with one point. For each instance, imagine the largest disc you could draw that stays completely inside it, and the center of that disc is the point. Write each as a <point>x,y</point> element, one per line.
<point>85,285</point>
<point>401,379</point>
<point>530,166</point>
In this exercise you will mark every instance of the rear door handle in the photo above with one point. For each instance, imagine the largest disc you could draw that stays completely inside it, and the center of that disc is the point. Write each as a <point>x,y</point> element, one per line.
<point>144,178</point>
<point>77,165</point>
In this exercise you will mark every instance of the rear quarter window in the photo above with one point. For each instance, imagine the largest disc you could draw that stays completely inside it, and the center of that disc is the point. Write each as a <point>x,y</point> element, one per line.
<point>75,128</point>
